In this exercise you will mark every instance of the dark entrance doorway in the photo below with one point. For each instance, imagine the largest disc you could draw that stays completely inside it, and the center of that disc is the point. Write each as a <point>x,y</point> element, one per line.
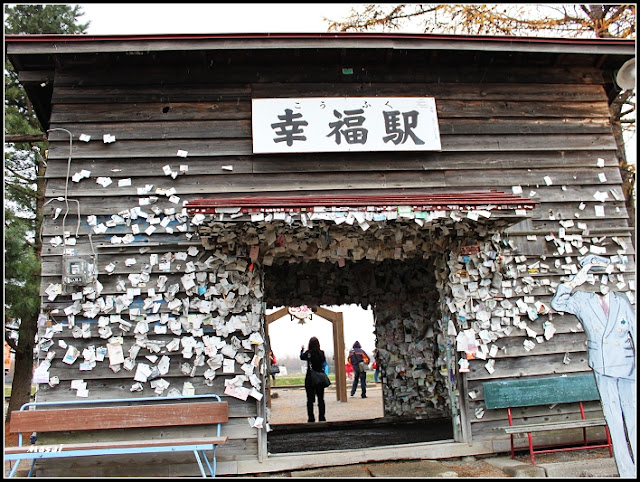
<point>407,311</point>
<point>356,434</point>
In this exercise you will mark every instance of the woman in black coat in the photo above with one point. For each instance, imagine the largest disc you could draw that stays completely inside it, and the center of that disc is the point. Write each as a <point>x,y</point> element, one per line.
<point>316,359</point>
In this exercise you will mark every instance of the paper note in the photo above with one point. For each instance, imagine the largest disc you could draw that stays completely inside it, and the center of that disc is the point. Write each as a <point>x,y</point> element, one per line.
<point>228,365</point>
<point>115,353</point>
<point>238,392</point>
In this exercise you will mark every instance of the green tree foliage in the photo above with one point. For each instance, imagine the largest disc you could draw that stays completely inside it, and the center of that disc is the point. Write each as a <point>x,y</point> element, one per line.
<point>43,19</point>
<point>540,20</point>
<point>24,171</point>
<point>21,270</point>
<point>21,159</point>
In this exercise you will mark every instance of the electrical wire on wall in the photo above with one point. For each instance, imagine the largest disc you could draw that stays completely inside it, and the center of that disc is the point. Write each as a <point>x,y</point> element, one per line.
<point>66,200</point>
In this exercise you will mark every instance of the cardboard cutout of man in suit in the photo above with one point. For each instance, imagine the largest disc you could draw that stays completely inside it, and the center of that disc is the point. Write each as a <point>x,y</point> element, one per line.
<point>608,320</point>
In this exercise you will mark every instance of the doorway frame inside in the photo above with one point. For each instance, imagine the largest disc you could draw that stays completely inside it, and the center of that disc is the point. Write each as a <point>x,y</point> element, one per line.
<point>337,323</point>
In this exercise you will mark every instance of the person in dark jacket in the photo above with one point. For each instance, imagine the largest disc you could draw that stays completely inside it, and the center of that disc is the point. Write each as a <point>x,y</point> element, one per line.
<point>315,361</point>
<point>357,355</point>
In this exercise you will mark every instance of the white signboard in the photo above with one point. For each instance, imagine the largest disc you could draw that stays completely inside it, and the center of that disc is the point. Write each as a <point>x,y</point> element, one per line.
<point>301,312</point>
<point>335,124</point>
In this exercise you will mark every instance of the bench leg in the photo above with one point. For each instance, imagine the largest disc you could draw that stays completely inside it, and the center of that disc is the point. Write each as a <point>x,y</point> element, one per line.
<point>610,445</point>
<point>212,468</point>
<point>197,455</point>
<point>513,455</point>
<point>33,465</point>
<point>14,469</point>
<point>531,456</point>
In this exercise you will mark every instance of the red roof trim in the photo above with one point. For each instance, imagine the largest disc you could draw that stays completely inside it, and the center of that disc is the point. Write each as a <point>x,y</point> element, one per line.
<point>463,200</point>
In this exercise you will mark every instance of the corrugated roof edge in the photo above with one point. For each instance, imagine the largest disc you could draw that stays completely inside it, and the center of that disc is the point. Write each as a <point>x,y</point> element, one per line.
<point>77,44</point>
<point>326,35</point>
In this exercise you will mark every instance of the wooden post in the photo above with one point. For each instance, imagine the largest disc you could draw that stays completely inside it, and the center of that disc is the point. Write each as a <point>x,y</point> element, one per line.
<point>270,318</point>
<point>336,320</point>
<point>338,356</point>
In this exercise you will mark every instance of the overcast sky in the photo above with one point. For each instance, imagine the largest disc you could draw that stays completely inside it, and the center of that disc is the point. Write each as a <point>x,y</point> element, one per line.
<point>287,336</point>
<point>176,18</point>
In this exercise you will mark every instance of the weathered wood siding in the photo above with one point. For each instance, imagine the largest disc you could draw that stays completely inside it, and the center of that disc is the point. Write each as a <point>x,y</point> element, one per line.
<point>502,124</point>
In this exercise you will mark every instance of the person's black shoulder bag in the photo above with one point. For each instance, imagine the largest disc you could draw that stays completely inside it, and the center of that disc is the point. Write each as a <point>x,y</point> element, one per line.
<point>318,379</point>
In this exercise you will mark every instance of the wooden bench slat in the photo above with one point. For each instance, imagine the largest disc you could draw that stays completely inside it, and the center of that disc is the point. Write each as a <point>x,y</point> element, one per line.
<point>136,416</point>
<point>555,426</point>
<point>117,444</point>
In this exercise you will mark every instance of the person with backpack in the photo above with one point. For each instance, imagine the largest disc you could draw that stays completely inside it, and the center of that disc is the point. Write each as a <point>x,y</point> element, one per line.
<point>360,362</point>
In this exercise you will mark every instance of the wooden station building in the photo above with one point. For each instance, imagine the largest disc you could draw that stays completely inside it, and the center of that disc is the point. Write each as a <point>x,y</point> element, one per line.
<point>195,181</point>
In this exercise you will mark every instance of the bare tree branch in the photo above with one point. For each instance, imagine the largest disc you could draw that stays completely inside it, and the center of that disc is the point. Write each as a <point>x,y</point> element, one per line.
<point>18,175</point>
<point>39,137</point>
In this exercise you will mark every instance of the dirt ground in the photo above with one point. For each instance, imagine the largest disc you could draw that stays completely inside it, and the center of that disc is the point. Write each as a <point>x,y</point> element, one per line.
<point>288,405</point>
<point>356,423</point>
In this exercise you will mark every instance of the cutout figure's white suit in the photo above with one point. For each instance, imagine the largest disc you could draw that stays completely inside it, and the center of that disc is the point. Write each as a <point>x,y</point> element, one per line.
<point>611,342</point>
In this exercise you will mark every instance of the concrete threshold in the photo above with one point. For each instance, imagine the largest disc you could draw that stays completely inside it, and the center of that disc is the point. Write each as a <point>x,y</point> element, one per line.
<point>336,458</point>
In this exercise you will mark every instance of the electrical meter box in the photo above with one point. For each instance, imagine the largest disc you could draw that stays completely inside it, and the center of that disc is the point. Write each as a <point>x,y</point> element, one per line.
<point>76,271</point>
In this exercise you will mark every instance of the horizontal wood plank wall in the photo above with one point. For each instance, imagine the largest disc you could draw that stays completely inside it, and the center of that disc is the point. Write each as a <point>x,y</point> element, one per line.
<point>501,125</point>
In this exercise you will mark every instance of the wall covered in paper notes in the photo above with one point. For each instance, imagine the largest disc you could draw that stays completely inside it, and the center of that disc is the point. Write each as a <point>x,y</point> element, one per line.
<point>173,299</point>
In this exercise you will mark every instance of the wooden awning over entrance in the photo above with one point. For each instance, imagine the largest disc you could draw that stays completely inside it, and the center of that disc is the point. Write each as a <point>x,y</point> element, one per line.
<point>421,201</point>
<point>337,322</point>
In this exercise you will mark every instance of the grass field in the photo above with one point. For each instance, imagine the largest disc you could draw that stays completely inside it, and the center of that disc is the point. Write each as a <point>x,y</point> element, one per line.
<point>293,379</point>
<point>298,379</point>
<point>7,390</point>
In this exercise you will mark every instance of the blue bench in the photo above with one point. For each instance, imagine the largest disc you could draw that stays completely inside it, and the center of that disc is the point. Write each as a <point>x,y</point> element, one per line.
<point>526,392</point>
<point>125,413</point>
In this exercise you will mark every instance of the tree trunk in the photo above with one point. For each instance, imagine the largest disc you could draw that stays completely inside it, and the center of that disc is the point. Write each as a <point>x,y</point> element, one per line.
<point>23,372</point>
<point>25,138</point>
